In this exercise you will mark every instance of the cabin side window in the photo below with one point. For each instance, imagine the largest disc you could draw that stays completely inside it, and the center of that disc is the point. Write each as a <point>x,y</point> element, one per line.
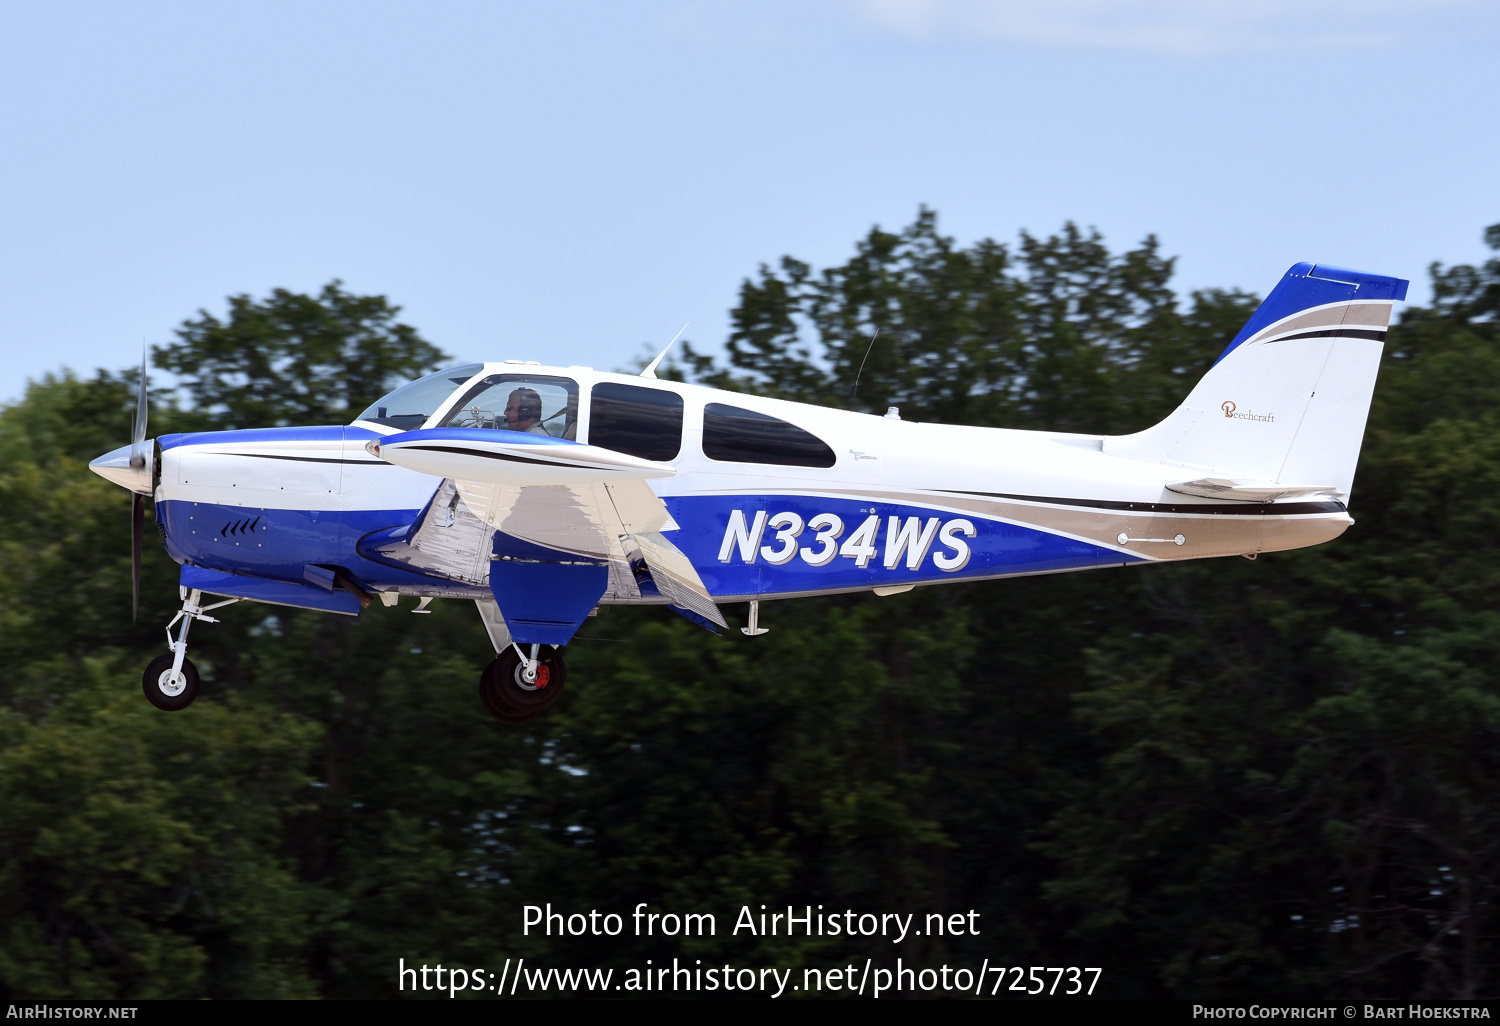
<point>638,421</point>
<point>735,435</point>
<point>534,404</point>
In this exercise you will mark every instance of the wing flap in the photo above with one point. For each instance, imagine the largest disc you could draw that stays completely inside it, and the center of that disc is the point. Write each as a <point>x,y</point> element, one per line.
<point>675,577</point>
<point>619,522</point>
<point>642,517</point>
<point>446,539</point>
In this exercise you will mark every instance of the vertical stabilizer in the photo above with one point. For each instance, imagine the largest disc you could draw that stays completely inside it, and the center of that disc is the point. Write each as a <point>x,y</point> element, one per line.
<point>1286,401</point>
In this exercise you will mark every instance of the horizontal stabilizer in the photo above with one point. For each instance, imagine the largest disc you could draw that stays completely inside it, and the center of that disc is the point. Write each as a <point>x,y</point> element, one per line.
<point>1249,491</point>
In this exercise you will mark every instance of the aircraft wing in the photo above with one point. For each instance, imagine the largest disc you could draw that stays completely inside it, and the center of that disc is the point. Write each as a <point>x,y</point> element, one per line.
<point>570,500</point>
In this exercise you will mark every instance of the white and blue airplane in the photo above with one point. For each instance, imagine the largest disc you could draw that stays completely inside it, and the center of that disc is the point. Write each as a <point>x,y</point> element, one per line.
<point>540,493</point>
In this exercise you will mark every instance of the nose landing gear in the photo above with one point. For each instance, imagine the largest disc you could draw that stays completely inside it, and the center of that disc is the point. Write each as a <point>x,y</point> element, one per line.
<point>515,689</point>
<point>168,686</point>
<point>171,681</point>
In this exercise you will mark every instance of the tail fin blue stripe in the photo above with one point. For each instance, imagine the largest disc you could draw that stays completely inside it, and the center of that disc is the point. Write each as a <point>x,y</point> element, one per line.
<point>1308,285</point>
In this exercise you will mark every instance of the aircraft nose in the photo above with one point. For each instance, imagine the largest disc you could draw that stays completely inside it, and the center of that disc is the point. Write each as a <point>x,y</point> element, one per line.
<point>129,466</point>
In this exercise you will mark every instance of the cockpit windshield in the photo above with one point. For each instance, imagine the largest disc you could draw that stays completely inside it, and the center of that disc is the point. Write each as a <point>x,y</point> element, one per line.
<point>409,406</point>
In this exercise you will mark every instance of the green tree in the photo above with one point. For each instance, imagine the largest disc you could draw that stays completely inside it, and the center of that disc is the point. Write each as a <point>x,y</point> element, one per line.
<point>1271,771</point>
<point>1296,765</point>
<point>1065,336</point>
<point>294,358</point>
<point>1218,779</point>
<point>134,854</point>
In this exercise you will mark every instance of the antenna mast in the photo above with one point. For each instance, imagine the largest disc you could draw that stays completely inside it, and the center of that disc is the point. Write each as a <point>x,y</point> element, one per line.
<point>855,394</point>
<point>650,371</point>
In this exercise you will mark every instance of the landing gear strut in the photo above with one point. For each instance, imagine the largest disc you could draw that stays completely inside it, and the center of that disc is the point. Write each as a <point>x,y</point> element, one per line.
<point>519,684</point>
<point>171,681</point>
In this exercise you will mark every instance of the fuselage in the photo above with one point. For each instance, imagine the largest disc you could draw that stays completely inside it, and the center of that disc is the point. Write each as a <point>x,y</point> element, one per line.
<point>842,501</point>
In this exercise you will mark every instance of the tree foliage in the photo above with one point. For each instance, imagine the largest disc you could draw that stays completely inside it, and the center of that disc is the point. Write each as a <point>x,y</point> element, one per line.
<point>295,359</point>
<point>1063,334</point>
<point>1219,779</point>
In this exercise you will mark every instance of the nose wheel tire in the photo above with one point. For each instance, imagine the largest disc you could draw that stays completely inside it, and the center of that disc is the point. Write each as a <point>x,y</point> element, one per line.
<point>166,691</point>
<point>509,697</point>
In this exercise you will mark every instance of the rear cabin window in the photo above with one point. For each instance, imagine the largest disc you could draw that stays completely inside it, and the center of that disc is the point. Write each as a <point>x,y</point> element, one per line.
<point>644,422</point>
<point>734,435</point>
<point>534,404</point>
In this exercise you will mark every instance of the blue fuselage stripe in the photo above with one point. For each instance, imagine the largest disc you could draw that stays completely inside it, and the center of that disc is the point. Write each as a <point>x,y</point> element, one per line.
<point>921,545</point>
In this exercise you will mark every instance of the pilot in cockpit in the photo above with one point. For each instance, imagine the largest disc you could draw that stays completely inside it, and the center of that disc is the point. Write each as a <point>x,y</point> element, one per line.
<point>523,412</point>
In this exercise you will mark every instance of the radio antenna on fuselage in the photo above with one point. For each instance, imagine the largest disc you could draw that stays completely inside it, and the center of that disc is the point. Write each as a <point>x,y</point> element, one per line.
<point>855,394</point>
<point>650,371</point>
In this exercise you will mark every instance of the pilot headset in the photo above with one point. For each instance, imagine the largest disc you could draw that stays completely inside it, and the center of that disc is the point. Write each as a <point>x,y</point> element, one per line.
<point>528,404</point>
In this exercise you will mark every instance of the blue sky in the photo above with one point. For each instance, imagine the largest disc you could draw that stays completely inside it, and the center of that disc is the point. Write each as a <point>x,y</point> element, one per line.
<point>571,182</point>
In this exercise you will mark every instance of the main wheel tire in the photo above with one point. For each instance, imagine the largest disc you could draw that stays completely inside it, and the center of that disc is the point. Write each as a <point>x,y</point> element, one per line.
<point>507,696</point>
<point>164,692</point>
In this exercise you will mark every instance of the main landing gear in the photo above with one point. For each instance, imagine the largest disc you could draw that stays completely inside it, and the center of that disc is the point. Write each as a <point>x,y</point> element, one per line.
<point>171,681</point>
<point>520,685</point>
